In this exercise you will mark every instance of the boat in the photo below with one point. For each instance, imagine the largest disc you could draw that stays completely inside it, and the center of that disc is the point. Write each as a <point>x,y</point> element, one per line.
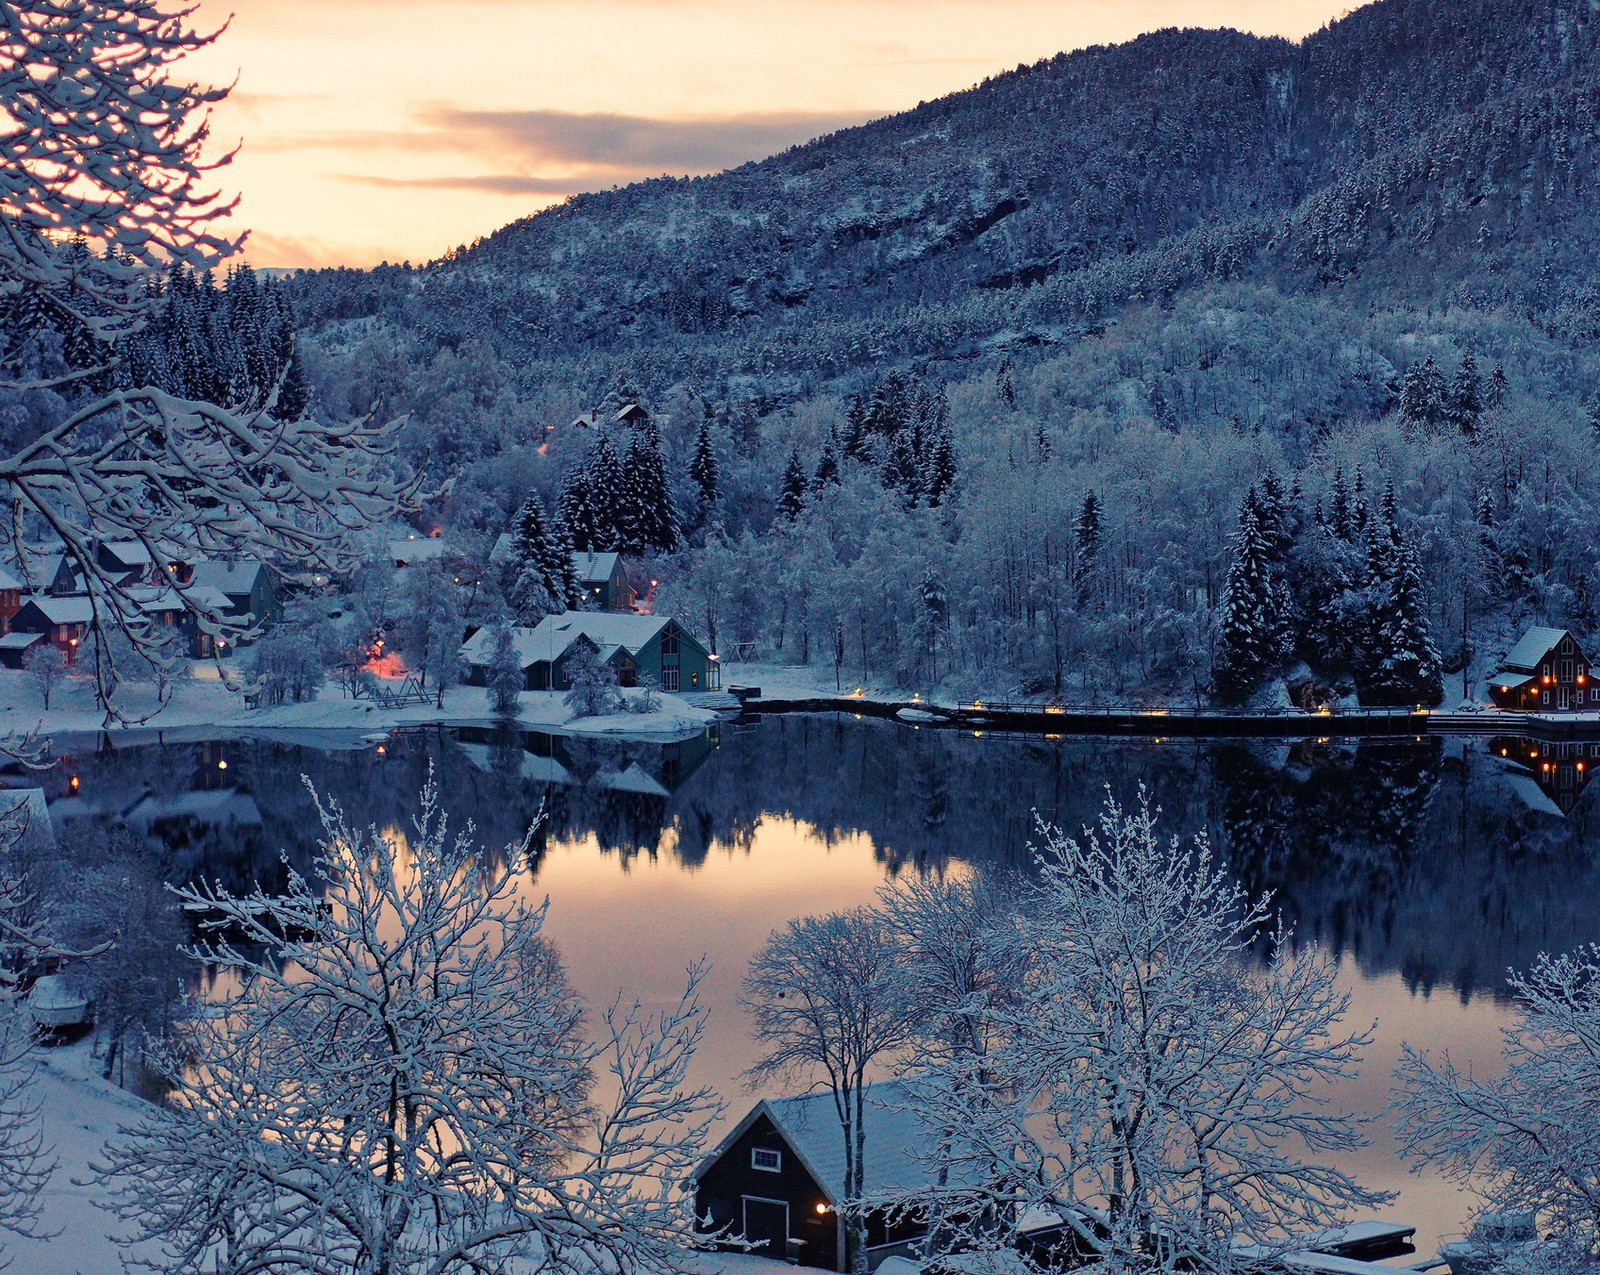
<point>56,1006</point>
<point>1497,1242</point>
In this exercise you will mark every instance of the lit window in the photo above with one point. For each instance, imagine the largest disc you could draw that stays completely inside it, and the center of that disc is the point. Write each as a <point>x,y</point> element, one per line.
<point>766,1159</point>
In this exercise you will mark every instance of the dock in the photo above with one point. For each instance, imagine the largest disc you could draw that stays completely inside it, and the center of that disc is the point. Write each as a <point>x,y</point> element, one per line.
<point>1057,721</point>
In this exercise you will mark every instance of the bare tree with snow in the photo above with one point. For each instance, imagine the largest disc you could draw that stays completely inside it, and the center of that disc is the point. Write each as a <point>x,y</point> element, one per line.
<point>827,1007</point>
<point>401,1083</point>
<point>1153,1084</point>
<point>104,181</point>
<point>1528,1139</point>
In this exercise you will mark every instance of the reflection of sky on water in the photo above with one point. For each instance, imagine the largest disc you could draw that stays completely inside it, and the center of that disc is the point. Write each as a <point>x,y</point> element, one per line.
<point>1426,866</point>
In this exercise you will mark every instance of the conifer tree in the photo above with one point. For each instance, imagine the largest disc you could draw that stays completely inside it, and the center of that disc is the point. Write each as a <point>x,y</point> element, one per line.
<point>792,495</point>
<point>606,496</point>
<point>1466,396</point>
<point>1086,537</point>
<point>1251,629</point>
<point>940,474</point>
<point>828,464</point>
<point>704,473</point>
<point>577,509</point>
<point>539,568</point>
<point>1423,394</point>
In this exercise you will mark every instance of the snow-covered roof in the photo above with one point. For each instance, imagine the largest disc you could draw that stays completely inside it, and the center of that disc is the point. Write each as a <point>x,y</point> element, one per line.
<point>23,810</point>
<point>539,770</point>
<point>9,581</point>
<point>603,628</point>
<point>1532,647</point>
<point>594,568</point>
<point>810,1125</point>
<point>232,577</point>
<point>207,806</point>
<point>19,641</point>
<point>549,641</point>
<point>418,549</point>
<point>505,545</point>
<point>1509,681</point>
<point>634,779</point>
<point>1526,789</point>
<point>69,610</point>
<point>131,552</point>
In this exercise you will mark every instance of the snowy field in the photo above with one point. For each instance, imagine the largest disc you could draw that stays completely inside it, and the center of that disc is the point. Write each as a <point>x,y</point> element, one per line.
<point>205,702</point>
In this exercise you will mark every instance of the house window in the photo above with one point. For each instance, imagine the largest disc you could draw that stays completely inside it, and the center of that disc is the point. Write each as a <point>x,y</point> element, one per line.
<point>1566,670</point>
<point>766,1159</point>
<point>1566,646</point>
<point>1544,698</point>
<point>1546,667</point>
<point>669,642</point>
<point>669,679</point>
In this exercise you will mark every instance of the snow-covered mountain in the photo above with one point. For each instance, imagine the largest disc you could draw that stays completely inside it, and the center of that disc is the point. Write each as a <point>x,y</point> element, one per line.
<point>1412,140</point>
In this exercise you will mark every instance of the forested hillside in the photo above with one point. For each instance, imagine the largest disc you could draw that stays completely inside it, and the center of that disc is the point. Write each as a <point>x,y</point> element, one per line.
<point>1161,273</point>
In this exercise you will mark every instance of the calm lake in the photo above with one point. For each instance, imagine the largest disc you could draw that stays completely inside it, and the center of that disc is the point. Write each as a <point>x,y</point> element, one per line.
<point>1429,867</point>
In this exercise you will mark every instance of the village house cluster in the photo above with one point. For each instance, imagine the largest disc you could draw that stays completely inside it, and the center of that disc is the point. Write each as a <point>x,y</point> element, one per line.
<point>44,599</point>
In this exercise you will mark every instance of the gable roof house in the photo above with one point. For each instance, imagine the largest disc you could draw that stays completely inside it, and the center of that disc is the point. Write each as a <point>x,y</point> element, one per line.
<point>636,646</point>
<point>1546,671</point>
<point>62,621</point>
<point>605,580</point>
<point>777,1178</point>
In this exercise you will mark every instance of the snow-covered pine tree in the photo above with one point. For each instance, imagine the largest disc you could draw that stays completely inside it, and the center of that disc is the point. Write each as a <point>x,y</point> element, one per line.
<point>1424,396</point>
<point>1250,637</point>
<point>792,492</point>
<point>828,474</point>
<point>606,496</point>
<point>939,471</point>
<point>1465,400</point>
<point>575,506</point>
<point>1408,669</point>
<point>1086,537</point>
<point>705,473</point>
<point>537,587</point>
<point>651,495</point>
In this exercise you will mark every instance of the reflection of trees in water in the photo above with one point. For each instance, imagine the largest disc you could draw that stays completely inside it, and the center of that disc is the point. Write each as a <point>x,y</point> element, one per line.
<point>1411,857</point>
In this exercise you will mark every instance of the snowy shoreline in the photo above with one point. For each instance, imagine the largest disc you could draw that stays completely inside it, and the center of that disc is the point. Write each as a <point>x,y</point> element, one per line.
<point>205,708</point>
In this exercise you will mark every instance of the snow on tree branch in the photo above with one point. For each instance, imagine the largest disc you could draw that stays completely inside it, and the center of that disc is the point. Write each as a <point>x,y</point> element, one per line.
<point>401,1083</point>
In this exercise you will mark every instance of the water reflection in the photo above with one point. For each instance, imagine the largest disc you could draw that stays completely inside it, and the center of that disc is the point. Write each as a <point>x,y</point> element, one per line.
<point>1429,866</point>
<point>1442,862</point>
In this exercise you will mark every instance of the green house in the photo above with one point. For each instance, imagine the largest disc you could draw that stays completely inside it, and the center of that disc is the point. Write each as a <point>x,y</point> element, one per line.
<point>656,648</point>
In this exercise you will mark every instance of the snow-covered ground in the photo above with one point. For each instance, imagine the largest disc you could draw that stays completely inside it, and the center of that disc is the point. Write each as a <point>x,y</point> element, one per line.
<point>205,702</point>
<point>80,1112</point>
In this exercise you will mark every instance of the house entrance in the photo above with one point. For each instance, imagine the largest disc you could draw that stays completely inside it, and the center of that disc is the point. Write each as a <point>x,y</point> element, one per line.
<point>767,1220</point>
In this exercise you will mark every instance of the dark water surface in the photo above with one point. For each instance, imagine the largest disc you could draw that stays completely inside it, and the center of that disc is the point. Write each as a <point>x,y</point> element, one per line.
<point>1429,867</point>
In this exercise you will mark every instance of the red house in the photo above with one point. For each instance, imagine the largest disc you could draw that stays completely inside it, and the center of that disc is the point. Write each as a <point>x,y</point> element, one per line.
<point>1546,671</point>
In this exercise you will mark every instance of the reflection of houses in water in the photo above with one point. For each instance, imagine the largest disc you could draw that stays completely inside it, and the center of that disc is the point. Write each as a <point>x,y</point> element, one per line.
<point>650,770</point>
<point>1548,776</point>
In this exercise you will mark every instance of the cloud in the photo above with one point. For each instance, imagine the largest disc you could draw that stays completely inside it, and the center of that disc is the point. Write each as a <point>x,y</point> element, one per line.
<point>269,251</point>
<point>488,183</point>
<point>689,145</point>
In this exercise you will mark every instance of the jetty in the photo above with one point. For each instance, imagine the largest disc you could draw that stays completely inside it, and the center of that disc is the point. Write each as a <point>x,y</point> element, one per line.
<point>1059,720</point>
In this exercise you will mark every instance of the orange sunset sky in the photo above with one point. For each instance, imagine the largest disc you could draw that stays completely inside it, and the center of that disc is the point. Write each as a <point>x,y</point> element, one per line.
<point>396,129</point>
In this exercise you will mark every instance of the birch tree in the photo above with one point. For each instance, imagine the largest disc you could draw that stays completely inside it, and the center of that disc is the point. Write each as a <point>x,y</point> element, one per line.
<point>1152,1084</point>
<point>827,1008</point>
<point>401,1083</point>
<point>1529,1139</point>
<point>104,181</point>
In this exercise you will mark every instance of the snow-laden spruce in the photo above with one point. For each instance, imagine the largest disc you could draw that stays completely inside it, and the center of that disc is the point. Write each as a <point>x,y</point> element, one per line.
<point>1529,1139</point>
<point>1147,1077</point>
<point>399,1083</point>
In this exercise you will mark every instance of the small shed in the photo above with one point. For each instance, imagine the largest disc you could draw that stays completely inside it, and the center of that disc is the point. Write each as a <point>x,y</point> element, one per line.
<point>777,1178</point>
<point>1546,671</point>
